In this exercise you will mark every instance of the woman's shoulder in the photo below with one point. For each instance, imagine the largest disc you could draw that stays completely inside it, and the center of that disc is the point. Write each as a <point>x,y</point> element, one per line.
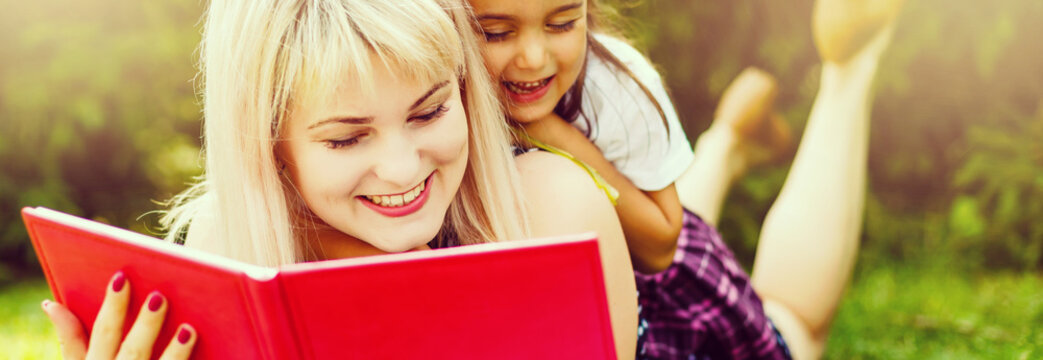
<point>545,172</point>
<point>553,184</point>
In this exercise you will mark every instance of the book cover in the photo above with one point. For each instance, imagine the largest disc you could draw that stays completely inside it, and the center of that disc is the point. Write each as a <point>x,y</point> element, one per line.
<point>540,298</point>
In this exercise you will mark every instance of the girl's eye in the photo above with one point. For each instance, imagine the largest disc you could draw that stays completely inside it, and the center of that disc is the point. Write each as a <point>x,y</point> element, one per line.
<point>495,36</point>
<point>564,27</point>
<point>434,114</point>
<point>341,143</point>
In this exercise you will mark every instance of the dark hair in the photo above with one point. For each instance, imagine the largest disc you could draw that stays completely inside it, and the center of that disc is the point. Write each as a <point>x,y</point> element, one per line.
<point>599,17</point>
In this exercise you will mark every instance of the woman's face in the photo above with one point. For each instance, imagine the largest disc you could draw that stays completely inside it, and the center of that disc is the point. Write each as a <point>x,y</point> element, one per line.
<point>534,50</point>
<point>381,166</point>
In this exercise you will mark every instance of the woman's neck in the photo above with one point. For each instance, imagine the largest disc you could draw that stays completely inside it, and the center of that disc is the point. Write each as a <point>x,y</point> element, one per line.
<point>329,243</point>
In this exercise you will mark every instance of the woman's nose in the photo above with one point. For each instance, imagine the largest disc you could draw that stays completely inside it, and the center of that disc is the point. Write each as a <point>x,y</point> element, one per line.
<point>398,162</point>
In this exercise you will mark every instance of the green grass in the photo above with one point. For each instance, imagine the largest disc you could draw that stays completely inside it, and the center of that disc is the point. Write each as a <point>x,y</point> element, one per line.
<point>25,332</point>
<point>892,311</point>
<point>931,311</point>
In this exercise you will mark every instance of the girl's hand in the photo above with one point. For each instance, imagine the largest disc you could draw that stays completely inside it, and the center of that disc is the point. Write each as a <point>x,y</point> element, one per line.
<point>105,339</point>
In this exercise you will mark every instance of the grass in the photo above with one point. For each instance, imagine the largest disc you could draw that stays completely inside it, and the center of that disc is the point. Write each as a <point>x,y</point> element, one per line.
<point>931,311</point>
<point>892,311</point>
<point>25,332</point>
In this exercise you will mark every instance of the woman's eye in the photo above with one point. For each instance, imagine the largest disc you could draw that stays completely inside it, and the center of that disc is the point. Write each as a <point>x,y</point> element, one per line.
<point>431,115</point>
<point>563,27</point>
<point>341,143</point>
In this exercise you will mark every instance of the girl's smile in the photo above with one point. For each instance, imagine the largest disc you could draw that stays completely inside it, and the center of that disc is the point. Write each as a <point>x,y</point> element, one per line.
<point>529,91</point>
<point>535,50</point>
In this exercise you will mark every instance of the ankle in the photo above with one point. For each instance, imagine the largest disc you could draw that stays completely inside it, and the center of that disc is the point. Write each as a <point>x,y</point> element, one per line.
<point>728,144</point>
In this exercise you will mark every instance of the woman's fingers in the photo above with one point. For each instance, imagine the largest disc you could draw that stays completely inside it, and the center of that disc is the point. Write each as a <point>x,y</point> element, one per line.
<point>108,326</point>
<point>181,345</point>
<point>68,328</point>
<point>142,335</point>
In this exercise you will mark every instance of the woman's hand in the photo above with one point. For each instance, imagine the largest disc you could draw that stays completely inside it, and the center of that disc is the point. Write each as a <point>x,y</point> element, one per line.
<point>105,340</point>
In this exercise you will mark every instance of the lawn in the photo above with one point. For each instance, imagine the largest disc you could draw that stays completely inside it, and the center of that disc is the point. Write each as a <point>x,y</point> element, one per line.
<point>893,311</point>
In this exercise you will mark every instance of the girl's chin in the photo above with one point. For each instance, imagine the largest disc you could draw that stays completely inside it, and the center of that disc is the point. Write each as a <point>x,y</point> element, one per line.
<point>526,114</point>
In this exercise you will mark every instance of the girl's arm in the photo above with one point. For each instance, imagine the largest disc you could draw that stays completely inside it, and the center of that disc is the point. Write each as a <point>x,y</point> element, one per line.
<point>651,220</point>
<point>562,199</point>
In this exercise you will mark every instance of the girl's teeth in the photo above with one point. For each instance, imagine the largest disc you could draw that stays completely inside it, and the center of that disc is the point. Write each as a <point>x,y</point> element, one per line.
<point>526,86</point>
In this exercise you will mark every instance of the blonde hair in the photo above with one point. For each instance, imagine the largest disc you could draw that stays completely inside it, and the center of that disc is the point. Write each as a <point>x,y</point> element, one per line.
<point>260,56</point>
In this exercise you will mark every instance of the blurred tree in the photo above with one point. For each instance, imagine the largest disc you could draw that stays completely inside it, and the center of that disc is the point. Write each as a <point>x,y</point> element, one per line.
<point>98,108</point>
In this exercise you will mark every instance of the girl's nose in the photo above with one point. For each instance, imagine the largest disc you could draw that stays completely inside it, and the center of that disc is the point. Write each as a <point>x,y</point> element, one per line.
<point>533,53</point>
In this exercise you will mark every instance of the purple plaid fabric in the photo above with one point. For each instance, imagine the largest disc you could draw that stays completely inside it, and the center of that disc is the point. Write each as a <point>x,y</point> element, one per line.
<point>703,306</point>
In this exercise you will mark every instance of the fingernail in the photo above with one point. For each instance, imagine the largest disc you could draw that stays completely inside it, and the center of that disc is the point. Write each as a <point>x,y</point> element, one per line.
<point>44,304</point>
<point>118,281</point>
<point>155,300</point>
<point>184,335</point>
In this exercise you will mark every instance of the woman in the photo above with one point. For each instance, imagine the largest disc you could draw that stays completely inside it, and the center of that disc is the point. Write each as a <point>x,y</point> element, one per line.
<point>349,128</point>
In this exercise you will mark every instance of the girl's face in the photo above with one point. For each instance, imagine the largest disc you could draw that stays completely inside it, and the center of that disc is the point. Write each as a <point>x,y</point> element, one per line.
<point>380,167</point>
<point>534,50</point>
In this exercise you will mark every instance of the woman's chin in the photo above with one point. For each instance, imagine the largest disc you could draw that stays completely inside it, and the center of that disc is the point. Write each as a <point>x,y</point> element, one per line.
<point>403,244</point>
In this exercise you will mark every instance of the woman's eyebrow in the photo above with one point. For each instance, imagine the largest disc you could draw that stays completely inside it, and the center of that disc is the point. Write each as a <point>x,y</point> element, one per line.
<point>367,120</point>
<point>428,94</point>
<point>343,120</point>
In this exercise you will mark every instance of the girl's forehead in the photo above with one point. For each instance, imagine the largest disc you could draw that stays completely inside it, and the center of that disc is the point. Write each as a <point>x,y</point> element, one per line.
<point>514,10</point>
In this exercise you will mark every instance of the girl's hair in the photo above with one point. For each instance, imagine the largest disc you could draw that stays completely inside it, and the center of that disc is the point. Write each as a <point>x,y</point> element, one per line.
<point>600,20</point>
<point>260,57</point>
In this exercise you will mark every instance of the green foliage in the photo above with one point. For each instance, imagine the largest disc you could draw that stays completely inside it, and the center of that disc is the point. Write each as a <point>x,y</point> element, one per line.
<point>955,156</point>
<point>97,110</point>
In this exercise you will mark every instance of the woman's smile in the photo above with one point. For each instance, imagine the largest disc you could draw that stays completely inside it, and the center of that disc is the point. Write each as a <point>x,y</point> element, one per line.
<point>400,204</point>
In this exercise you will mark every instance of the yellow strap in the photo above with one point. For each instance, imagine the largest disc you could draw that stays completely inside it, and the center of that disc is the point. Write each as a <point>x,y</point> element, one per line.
<point>610,191</point>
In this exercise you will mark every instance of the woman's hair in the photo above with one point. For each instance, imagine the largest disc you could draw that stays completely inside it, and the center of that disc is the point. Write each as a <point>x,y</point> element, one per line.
<point>600,19</point>
<point>259,58</point>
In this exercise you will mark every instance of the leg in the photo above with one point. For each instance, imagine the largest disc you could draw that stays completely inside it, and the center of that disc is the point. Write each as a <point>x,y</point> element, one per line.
<point>809,241</point>
<point>744,133</point>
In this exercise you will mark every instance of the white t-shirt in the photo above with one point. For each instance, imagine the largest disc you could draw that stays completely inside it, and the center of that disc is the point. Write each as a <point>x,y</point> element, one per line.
<point>625,123</point>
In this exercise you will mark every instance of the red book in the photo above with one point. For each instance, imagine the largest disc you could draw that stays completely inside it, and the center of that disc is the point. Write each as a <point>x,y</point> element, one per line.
<point>531,299</point>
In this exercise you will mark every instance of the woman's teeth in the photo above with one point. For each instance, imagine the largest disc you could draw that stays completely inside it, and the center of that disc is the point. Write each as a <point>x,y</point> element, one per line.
<point>396,200</point>
<point>525,87</point>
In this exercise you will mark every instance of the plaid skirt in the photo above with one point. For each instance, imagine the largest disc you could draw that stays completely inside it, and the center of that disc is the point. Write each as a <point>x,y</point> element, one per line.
<point>702,306</point>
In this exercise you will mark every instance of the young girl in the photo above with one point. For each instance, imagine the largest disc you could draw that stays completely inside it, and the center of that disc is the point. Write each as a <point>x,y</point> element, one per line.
<point>593,96</point>
<point>343,128</point>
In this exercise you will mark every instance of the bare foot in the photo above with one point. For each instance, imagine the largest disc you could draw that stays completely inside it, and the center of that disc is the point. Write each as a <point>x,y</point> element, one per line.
<point>843,27</point>
<point>747,109</point>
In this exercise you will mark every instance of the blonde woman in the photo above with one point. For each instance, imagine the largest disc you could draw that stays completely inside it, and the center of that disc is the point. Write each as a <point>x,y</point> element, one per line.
<point>341,128</point>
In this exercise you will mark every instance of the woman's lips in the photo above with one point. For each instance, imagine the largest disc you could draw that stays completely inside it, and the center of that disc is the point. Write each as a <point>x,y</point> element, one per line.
<point>523,92</point>
<point>401,204</point>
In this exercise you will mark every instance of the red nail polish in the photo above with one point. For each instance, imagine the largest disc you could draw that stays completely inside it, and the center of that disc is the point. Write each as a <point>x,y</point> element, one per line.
<point>45,303</point>
<point>154,301</point>
<point>118,281</point>
<point>183,336</point>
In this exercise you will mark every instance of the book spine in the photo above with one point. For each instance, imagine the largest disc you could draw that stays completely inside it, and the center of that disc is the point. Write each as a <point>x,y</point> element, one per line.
<point>30,227</point>
<point>270,315</point>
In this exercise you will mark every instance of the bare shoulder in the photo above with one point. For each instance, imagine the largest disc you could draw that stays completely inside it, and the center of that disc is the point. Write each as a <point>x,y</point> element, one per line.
<point>561,196</point>
<point>546,175</point>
